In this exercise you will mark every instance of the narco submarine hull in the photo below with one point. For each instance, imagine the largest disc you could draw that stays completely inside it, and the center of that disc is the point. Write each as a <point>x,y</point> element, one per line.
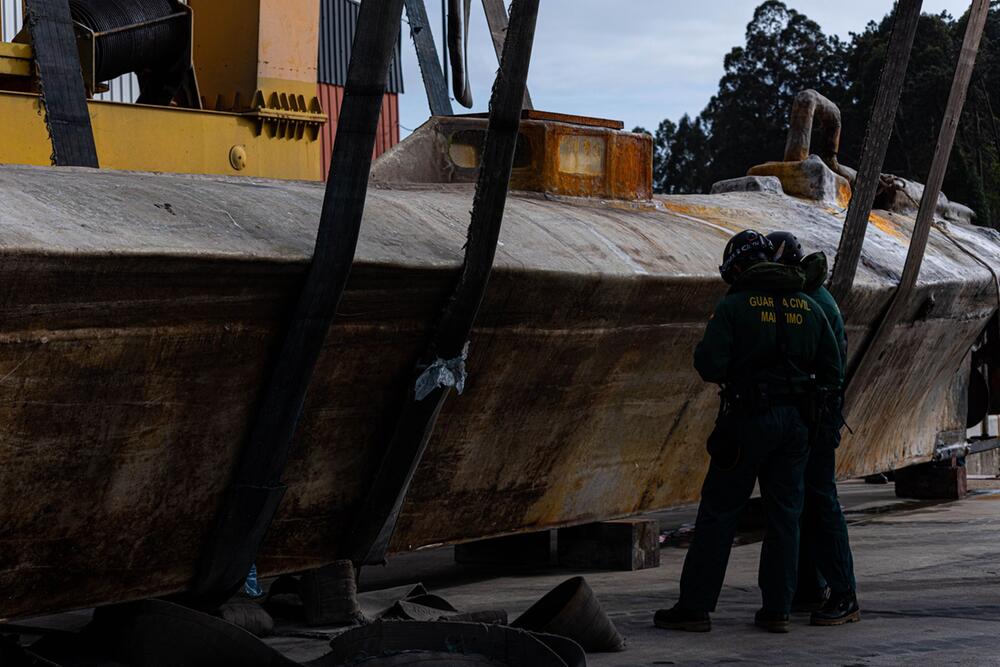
<point>141,311</point>
<point>142,315</point>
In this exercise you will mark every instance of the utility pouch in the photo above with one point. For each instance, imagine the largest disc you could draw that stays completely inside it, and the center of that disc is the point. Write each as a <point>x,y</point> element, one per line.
<point>723,443</point>
<point>829,420</point>
<point>746,398</point>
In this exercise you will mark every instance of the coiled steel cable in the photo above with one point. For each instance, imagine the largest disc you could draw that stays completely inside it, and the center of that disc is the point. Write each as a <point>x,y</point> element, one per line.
<point>147,47</point>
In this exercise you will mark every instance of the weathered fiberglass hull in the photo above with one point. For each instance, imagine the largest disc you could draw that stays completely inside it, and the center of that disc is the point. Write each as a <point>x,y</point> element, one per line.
<point>140,314</point>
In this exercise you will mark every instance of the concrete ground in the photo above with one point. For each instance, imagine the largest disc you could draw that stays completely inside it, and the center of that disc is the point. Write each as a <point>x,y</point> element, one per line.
<point>928,577</point>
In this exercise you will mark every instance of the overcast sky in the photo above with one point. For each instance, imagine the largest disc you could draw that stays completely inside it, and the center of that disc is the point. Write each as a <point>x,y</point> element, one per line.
<point>639,61</point>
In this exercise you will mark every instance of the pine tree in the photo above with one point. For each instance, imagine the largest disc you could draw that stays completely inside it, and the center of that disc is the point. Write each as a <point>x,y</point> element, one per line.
<point>746,122</point>
<point>785,52</point>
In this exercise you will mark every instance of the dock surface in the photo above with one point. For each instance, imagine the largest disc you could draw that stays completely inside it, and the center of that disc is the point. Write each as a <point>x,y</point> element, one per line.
<point>928,578</point>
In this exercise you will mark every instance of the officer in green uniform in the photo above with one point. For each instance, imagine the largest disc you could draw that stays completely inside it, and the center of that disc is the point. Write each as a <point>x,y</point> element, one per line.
<point>769,346</point>
<point>826,583</point>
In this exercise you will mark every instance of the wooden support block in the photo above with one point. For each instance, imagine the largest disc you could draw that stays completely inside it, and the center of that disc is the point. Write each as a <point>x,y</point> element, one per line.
<point>932,481</point>
<point>628,544</point>
<point>526,550</point>
<point>985,463</point>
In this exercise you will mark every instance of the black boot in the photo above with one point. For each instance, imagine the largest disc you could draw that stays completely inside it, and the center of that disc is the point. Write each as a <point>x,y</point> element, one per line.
<point>841,608</point>
<point>678,618</point>
<point>813,601</point>
<point>771,621</point>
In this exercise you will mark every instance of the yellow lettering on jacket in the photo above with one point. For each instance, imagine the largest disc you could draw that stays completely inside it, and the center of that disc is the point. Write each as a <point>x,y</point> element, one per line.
<point>797,303</point>
<point>791,303</point>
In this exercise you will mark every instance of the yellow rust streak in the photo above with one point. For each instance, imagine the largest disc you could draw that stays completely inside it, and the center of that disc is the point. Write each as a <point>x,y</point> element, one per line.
<point>887,226</point>
<point>708,215</point>
<point>844,193</point>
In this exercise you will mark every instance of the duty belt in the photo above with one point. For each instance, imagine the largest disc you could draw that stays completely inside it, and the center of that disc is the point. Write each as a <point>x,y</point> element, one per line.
<point>789,400</point>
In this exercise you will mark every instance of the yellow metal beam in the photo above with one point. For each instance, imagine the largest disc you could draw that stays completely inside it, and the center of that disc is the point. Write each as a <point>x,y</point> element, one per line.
<point>15,59</point>
<point>245,46</point>
<point>163,139</point>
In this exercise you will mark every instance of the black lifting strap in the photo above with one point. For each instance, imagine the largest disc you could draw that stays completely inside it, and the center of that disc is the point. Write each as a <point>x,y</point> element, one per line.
<point>427,58</point>
<point>376,518</point>
<point>60,80</point>
<point>257,488</point>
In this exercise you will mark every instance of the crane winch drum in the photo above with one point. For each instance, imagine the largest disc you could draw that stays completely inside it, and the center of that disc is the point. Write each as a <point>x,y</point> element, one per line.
<point>149,37</point>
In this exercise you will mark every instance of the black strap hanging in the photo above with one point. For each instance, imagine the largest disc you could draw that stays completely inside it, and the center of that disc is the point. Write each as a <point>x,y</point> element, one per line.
<point>443,363</point>
<point>459,12</point>
<point>427,58</point>
<point>257,487</point>
<point>60,81</point>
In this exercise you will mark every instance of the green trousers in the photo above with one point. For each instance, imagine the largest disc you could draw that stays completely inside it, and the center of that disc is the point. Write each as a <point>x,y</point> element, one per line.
<point>825,553</point>
<point>774,449</point>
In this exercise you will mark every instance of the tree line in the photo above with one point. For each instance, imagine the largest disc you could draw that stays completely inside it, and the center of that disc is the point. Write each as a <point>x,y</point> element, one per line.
<point>746,121</point>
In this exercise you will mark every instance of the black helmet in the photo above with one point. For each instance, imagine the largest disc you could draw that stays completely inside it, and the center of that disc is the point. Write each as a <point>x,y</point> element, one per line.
<point>743,251</point>
<point>787,249</point>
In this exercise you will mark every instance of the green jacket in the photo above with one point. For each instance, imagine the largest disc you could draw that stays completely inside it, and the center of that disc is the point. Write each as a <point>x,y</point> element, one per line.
<point>814,267</point>
<point>741,339</point>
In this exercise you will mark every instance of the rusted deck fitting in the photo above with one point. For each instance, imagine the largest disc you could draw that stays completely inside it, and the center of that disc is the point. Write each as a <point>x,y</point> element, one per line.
<point>811,108</point>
